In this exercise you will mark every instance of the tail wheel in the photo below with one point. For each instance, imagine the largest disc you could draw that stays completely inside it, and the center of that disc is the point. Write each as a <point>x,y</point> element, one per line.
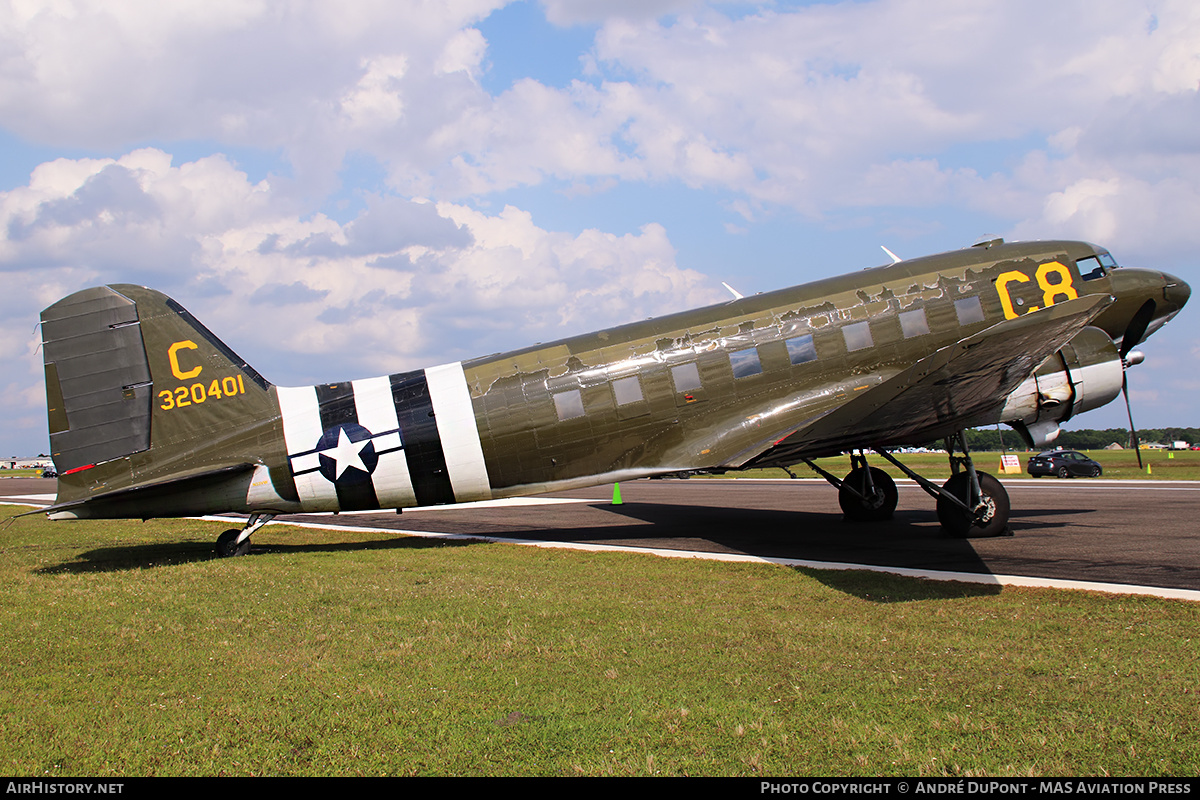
<point>878,500</point>
<point>227,544</point>
<point>990,515</point>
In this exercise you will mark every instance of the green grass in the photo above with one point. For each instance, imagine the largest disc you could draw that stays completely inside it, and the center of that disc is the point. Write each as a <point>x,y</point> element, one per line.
<point>128,650</point>
<point>1117,464</point>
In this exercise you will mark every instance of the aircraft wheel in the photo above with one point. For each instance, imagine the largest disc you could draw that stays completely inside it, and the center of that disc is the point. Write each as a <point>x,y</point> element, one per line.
<point>227,544</point>
<point>990,520</point>
<point>877,507</point>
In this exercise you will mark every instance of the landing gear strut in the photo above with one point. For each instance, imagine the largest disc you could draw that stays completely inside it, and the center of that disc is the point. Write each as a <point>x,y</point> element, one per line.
<point>237,543</point>
<point>970,504</point>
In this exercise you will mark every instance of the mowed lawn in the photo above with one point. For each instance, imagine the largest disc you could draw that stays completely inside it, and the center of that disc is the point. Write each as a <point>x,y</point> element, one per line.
<point>129,650</point>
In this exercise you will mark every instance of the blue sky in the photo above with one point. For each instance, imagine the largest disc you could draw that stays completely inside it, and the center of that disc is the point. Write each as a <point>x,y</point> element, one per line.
<point>344,190</point>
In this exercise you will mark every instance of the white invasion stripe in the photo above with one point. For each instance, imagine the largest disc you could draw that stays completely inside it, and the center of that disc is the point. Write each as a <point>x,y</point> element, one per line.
<point>306,463</point>
<point>1191,595</point>
<point>301,433</point>
<point>377,413</point>
<point>455,417</point>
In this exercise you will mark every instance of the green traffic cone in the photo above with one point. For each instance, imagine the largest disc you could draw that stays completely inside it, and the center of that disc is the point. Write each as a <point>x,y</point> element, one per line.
<point>617,494</point>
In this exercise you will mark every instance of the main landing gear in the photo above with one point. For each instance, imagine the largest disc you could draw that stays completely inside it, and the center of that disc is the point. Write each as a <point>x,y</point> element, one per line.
<point>237,543</point>
<point>971,504</point>
<point>867,494</point>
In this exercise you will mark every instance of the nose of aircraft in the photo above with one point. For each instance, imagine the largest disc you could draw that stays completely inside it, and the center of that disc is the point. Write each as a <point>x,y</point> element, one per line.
<point>1176,292</point>
<point>1144,300</point>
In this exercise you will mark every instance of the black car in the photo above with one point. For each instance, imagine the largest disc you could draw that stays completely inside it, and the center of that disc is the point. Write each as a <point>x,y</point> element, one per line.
<point>1064,464</point>
<point>49,473</point>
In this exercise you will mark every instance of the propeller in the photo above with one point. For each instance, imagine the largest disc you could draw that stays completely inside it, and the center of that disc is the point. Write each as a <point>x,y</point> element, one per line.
<point>1129,357</point>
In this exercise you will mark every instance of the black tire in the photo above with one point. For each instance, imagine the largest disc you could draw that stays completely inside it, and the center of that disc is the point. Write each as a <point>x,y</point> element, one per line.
<point>227,545</point>
<point>1096,471</point>
<point>1063,472</point>
<point>877,507</point>
<point>957,522</point>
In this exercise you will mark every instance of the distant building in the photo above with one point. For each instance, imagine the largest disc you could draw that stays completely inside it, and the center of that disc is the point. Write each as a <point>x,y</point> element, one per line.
<point>26,463</point>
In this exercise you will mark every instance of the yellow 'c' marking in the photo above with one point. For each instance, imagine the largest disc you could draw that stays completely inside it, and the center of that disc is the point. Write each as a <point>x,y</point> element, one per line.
<point>173,357</point>
<point>1002,289</point>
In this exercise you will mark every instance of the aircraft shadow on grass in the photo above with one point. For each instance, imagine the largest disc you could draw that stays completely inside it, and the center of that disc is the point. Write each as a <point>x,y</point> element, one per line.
<point>149,556</point>
<point>911,540</point>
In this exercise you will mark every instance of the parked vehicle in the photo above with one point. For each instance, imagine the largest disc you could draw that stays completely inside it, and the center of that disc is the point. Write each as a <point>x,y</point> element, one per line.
<point>49,473</point>
<point>1064,464</point>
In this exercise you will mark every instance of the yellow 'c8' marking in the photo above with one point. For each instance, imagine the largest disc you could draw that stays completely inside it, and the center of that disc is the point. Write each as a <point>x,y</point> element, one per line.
<point>173,357</point>
<point>1052,292</point>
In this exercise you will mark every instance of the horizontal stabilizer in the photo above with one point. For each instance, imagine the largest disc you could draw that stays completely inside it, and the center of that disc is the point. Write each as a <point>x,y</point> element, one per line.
<point>169,490</point>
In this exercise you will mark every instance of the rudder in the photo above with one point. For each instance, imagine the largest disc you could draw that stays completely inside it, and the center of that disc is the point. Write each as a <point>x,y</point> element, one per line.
<point>98,386</point>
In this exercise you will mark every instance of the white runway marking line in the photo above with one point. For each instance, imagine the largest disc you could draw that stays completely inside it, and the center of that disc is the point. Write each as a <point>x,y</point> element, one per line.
<point>986,579</point>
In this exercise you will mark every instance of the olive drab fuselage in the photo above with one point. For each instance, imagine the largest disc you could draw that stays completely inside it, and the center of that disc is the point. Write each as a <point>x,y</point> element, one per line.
<point>883,357</point>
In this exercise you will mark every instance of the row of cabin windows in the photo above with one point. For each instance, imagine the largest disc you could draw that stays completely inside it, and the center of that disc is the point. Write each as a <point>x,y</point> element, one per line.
<point>746,362</point>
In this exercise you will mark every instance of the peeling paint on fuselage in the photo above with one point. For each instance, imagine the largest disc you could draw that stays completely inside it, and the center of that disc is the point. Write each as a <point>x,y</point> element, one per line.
<point>728,419</point>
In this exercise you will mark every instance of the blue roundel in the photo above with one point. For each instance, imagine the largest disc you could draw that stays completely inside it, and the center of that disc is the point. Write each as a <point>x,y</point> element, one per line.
<point>347,454</point>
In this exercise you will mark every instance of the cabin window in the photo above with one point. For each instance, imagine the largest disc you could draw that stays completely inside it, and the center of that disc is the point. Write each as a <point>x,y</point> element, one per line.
<point>569,405</point>
<point>801,349</point>
<point>969,310</point>
<point>858,336</point>
<point>627,390</point>
<point>914,323</point>
<point>686,377</point>
<point>745,362</point>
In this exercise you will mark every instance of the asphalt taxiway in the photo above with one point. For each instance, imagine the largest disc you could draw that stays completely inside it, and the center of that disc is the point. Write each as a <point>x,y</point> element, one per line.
<point>1140,533</point>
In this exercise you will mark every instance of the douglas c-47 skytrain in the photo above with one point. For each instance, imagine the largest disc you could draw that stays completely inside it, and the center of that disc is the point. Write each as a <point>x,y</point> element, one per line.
<point>152,416</point>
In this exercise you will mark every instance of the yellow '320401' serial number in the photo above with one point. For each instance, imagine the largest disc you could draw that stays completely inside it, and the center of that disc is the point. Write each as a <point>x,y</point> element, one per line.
<point>200,392</point>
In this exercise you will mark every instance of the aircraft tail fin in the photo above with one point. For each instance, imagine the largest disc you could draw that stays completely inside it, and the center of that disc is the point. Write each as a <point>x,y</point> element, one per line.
<point>138,391</point>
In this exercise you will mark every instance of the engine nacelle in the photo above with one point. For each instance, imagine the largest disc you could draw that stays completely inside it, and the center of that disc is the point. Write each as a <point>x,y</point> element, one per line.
<point>1085,374</point>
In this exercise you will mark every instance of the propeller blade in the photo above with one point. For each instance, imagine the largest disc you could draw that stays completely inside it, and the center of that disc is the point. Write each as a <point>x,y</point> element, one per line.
<point>1137,327</point>
<point>1133,437</point>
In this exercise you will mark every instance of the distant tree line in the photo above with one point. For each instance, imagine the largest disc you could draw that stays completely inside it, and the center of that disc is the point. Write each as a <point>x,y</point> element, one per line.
<point>1087,439</point>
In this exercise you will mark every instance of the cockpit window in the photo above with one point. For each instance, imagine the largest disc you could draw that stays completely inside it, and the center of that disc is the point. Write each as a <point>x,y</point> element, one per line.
<point>1096,266</point>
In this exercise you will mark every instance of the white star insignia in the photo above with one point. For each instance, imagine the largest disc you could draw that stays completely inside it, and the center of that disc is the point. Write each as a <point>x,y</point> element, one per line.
<point>347,454</point>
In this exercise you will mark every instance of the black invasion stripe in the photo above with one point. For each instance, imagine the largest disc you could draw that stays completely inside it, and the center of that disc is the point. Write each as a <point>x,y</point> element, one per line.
<point>336,402</point>
<point>422,444</point>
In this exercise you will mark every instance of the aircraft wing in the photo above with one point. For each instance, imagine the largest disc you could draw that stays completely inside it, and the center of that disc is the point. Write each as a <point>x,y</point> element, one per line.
<point>943,392</point>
